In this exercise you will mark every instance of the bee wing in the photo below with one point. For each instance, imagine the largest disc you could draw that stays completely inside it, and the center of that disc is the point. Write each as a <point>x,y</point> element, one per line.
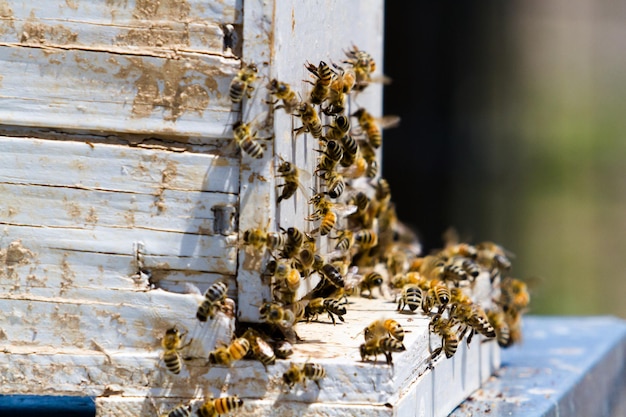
<point>344,210</point>
<point>192,289</point>
<point>388,122</point>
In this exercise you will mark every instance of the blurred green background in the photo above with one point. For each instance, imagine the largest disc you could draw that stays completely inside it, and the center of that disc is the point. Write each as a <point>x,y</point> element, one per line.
<point>514,130</point>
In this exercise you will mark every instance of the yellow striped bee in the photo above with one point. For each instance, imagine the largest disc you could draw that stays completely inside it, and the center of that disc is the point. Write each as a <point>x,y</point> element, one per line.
<point>449,340</point>
<point>298,374</point>
<point>260,348</point>
<point>383,327</point>
<point>218,406</point>
<point>282,91</point>
<point>321,87</point>
<point>363,66</point>
<point>311,121</point>
<point>213,297</point>
<point>247,141</point>
<point>338,128</point>
<point>340,87</point>
<point>226,355</point>
<point>411,297</point>
<point>172,344</point>
<point>320,305</point>
<point>242,83</point>
<point>370,281</point>
<point>327,212</point>
<point>366,238</point>
<point>384,345</point>
<point>497,320</point>
<point>179,411</point>
<point>291,176</point>
<point>294,240</point>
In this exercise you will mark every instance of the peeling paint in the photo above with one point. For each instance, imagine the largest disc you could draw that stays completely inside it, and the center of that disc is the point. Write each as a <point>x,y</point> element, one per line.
<point>35,32</point>
<point>6,18</point>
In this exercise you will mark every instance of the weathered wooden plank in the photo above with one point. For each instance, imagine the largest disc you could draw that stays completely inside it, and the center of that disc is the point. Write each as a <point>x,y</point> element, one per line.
<point>113,167</point>
<point>191,25</point>
<point>140,320</point>
<point>179,96</point>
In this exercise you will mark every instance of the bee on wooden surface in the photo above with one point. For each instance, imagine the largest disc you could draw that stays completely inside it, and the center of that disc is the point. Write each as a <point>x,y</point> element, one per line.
<point>449,340</point>
<point>335,185</point>
<point>321,86</point>
<point>306,258</point>
<point>385,345</point>
<point>383,327</point>
<point>299,374</point>
<point>411,297</point>
<point>350,152</point>
<point>286,281</point>
<point>330,158</point>
<point>291,176</point>
<point>339,128</point>
<point>259,347</point>
<point>179,411</point>
<point>370,281</point>
<point>471,317</point>
<point>332,275</point>
<point>320,305</point>
<point>430,267</point>
<point>293,243</point>
<point>247,141</point>
<point>218,406</point>
<point>439,293</point>
<point>327,212</point>
<point>226,355</point>
<point>282,91</point>
<point>340,87</point>
<point>363,66</point>
<point>255,238</point>
<point>311,121</point>
<point>172,344</point>
<point>242,83</point>
<point>497,320</point>
<point>213,297</point>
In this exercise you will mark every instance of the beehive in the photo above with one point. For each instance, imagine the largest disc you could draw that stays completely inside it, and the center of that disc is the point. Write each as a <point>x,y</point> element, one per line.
<point>120,188</point>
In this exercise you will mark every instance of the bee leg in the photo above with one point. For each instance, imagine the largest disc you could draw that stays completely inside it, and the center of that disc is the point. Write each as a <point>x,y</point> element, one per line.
<point>318,384</point>
<point>436,353</point>
<point>389,359</point>
<point>330,315</point>
<point>341,318</point>
<point>469,337</point>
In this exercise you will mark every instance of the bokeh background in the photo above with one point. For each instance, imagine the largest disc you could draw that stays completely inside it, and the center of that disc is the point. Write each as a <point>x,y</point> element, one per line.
<point>514,130</point>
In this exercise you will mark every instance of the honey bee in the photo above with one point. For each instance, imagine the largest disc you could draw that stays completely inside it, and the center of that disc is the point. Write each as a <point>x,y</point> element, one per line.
<point>172,344</point>
<point>320,305</point>
<point>326,211</point>
<point>222,405</point>
<point>449,340</point>
<point>282,91</point>
<point>345,240</point>
<point>431,267</point>
<point>247,140</point>
<point>514,296</point>
<point>370,281</point>
<point>311,121</point>
<point>179,411</point>
<point>307,257</point>
<point>332,275</point>
<point>242,83</point>
<point>331,156</point>
<point>213,297</point>
<point>473,318</point>
<point>261,350</point>
<point>497,320</point>
<point>411,297</point>
<point>493,256</point>
<point>363,66</point>
<point>321,87</point>
<point>296,374</point>
<point>383,327</point>
<point>385,345</point>
<point>338,128</point>
<point>366,238</point>
<point>293,243</point>
<point>335,185</point>
<point>287,280</point>
<point>439,293</point>
<point>255,238</point>
<point>226,355</point>
<point>369,157</point>
<point>350,152</point>
<point>453,246</point>
<point>291,176</point>
<point>372,126</point>
<point>275,313</point>
<point>340,87</point>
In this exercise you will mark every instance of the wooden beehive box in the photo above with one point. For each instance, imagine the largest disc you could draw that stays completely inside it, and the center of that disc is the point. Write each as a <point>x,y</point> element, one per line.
<point>119,188</point>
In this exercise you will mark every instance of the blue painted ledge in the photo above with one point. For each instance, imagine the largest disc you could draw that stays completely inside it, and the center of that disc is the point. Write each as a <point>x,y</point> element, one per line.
<point>566,366</point>
<point>46,405</point>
